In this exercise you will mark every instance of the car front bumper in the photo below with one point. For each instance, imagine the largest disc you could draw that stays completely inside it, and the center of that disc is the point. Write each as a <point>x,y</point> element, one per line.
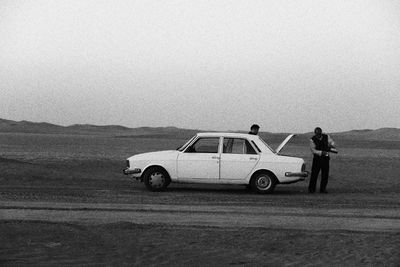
<point>128,171</point>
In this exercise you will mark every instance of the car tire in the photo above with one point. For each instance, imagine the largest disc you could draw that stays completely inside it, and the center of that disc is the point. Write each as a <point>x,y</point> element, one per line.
<point>263,183</point>
<point>156,179</point>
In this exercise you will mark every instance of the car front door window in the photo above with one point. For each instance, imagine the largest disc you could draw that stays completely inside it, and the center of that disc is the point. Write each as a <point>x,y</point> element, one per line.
<point>205,145</point>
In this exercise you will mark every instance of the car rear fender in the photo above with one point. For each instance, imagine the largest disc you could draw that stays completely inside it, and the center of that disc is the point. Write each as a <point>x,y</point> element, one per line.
<point>263,170</point>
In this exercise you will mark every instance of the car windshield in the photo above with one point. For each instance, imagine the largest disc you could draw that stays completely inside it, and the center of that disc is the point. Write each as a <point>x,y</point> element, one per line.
<point>181,148</point>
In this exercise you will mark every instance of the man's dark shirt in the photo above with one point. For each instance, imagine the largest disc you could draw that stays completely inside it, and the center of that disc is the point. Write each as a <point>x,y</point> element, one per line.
<point>319,145</point>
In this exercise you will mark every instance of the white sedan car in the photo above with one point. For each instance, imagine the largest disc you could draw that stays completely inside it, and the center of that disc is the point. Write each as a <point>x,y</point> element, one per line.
<point>218,158</point>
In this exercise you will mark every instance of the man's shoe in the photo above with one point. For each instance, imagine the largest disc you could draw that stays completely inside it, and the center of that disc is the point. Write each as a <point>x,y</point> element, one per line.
<point>324,192</point>
<point>311,191</point>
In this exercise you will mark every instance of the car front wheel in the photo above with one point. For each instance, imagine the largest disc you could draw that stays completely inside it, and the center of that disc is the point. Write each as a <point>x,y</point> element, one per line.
<point>263,183</point>
<point>156,179</point>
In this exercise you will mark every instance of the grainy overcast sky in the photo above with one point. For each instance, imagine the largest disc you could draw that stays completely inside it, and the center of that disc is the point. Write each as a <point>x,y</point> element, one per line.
<point>218,65</point>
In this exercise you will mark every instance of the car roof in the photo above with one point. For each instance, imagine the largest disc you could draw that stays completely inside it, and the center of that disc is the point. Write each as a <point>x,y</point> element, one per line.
<point>226,134</point>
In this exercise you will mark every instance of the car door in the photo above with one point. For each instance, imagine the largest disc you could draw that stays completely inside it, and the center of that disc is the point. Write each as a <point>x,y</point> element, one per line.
<point>200,160</point>
<point>238,159</point>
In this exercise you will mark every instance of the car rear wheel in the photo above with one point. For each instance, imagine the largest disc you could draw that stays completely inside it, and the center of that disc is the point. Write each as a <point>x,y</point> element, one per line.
<point>263,183</point>
<point>156,179</point>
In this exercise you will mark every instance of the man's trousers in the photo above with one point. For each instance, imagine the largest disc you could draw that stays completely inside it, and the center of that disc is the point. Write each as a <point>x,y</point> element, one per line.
<point>319,163</point>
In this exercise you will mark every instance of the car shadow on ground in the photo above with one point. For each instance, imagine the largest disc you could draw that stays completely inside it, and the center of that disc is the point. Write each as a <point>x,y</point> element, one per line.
<point>229,189</point>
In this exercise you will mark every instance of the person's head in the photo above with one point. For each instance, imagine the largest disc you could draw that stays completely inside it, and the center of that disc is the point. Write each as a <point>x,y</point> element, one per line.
<point>254,128</point>
<point>318,132</point>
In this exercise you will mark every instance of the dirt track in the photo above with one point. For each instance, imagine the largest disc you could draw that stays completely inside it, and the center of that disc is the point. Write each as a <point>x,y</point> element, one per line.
<point>202,215</point>
<point>128,234</point>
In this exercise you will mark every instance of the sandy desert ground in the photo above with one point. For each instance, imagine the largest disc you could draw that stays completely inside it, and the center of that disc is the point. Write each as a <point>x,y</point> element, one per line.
<point>64,201</point>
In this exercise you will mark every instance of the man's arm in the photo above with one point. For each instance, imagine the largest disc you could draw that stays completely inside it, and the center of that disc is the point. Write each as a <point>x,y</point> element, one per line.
<point>314,150</point>
<point>332,145</point>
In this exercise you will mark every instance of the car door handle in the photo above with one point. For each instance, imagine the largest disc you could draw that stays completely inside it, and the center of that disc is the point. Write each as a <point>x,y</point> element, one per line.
<point>252,158</point>
<point>215,157</point>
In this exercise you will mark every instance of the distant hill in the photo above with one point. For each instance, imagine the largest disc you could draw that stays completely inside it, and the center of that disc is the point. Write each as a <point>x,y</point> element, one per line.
<point>389,134</point>
<point>44,127</point>
<point>9,126</point>
<point>28,127</point>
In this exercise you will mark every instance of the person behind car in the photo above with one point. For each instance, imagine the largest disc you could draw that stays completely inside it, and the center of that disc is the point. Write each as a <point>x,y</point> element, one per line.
<point>320,145</point>
<point>254,129</point>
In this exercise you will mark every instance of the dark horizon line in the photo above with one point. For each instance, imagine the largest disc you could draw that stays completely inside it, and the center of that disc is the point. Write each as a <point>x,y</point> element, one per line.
<point>188,129</point>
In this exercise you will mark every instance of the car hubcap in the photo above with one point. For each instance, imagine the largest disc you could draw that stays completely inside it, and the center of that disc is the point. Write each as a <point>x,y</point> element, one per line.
<point>157,179</point>
<point>263,182</point>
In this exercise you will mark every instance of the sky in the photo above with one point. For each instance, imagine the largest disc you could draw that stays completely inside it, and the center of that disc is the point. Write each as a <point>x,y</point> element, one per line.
<point>287,65</point>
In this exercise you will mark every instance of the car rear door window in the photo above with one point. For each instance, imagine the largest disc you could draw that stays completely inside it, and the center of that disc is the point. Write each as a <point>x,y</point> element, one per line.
<point>237,146</point>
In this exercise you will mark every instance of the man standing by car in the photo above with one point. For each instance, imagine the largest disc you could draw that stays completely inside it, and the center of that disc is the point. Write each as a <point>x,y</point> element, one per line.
<point>320,144</point>
<point>254,129</point>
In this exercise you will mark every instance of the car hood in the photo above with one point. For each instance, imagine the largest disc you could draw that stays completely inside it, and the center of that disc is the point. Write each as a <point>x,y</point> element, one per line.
<point>287,139</point>
<point>166,154</point>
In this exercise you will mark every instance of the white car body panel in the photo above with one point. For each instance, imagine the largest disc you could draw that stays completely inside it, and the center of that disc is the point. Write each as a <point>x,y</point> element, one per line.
<point>222,168</point>
<point>198,166</point>
<point>237,166</point>
<point>279,165</point>
<point>165,159</point>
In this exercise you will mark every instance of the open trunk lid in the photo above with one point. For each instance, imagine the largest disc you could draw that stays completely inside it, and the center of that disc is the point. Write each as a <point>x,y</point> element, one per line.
<point>287,139</point>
